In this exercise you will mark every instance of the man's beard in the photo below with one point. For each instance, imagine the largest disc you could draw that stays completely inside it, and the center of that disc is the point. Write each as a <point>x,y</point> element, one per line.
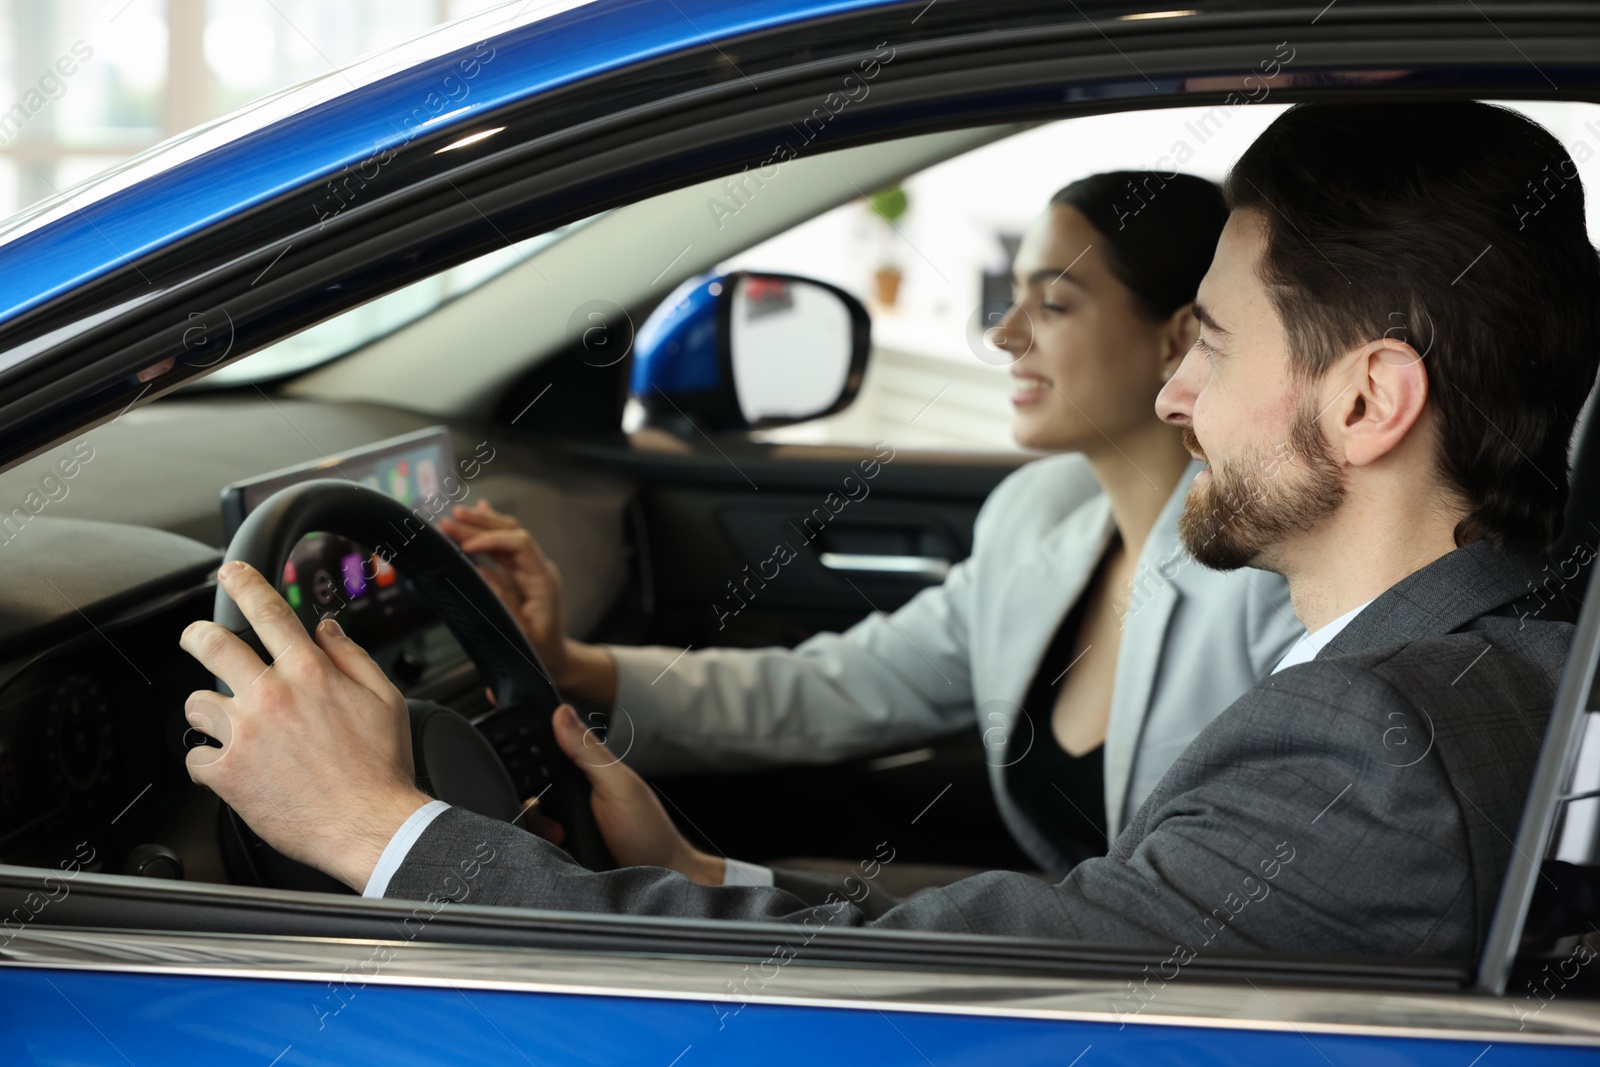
<point>1246,508</point>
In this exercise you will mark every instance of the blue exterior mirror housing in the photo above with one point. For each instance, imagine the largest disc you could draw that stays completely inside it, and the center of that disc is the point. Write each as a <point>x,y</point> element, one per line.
<point>675,350</point>
<point>745,350</point>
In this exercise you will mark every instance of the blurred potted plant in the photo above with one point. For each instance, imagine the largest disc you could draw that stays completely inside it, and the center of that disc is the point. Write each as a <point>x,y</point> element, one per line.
<point>889,205</point>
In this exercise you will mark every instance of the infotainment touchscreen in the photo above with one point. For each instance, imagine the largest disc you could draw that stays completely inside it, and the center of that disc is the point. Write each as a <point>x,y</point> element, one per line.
<point>409,468</point>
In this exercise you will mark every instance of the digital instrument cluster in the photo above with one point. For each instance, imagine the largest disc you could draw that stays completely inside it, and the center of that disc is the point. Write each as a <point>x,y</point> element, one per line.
<point>328,574</point>
<point>332,575</point>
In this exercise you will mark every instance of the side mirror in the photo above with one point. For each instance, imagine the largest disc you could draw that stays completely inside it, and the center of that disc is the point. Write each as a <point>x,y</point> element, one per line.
<point>743,350</point>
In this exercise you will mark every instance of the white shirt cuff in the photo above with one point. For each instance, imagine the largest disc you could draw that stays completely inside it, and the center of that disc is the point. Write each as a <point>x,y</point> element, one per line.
<point>394,853</point>
<point>741,873</point>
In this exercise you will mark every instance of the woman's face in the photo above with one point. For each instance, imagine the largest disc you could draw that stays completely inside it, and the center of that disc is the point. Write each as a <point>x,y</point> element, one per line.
<point>1087,367</point>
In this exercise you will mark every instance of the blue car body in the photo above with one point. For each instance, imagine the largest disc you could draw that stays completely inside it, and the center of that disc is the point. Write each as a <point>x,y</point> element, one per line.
<point>62,1018</point>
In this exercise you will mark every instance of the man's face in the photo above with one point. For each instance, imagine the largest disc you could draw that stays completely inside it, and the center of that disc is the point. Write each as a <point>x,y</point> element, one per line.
<point>1270,471</point>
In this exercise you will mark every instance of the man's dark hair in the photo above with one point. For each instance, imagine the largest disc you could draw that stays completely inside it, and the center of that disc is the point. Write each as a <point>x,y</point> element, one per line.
<point>1457,227</point>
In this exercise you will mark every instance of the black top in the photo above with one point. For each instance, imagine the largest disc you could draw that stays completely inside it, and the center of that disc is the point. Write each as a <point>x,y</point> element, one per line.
<point>1063,794</point>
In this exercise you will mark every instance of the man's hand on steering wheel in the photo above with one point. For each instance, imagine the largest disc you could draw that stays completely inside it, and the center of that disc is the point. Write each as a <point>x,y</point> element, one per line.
<point>636,827</point>
<point>316,749</point>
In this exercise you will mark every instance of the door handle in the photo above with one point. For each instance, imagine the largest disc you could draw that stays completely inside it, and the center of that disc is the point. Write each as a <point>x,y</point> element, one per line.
<point>933,568</point>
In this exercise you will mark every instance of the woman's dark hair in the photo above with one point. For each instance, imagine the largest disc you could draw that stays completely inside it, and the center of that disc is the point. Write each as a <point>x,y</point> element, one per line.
<point>1161,230</point>
<point>1457,227</point>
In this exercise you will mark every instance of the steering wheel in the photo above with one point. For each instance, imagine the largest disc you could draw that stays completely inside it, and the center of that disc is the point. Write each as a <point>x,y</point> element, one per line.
<point>455,760</point>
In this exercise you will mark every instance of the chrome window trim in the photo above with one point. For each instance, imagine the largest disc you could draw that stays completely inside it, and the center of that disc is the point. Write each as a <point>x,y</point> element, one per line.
<point>1464,1016</point>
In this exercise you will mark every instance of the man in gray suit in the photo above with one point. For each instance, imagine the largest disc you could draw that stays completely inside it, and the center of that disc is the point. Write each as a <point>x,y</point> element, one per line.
<point>1397,334</point>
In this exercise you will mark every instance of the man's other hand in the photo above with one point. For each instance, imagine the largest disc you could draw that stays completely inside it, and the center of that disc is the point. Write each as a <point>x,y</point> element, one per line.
<point>635,826</point>
<point>316,747</point>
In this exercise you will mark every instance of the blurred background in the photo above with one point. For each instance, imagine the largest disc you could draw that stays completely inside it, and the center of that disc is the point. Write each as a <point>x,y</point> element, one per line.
<point>87,83</point>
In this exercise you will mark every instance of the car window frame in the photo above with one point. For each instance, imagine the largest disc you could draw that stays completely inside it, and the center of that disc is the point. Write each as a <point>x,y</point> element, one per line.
<point>508,182</point>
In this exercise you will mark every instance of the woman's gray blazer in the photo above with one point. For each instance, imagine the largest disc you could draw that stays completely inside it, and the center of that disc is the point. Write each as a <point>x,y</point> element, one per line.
<point>963,654</point>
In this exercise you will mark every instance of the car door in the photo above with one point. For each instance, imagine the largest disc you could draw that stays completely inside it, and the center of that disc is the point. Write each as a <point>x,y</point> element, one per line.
<point>122,969</point>
<point>706,521</point>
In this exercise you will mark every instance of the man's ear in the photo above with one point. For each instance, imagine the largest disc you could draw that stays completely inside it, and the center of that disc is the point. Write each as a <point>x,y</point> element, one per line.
<point>1384,391</point>
<point>1177,337</point>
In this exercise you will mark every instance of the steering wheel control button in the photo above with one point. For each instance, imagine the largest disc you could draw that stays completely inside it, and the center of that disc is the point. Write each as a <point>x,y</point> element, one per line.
<point>154,861</point>
<point>512,735</point>
<point>408,668</point>
<point>457,764</point>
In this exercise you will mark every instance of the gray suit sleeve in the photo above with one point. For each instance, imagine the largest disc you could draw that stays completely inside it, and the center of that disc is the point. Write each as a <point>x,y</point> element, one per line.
<point>819,887</point>
<point>465,857</point>
<point>1287,826</point>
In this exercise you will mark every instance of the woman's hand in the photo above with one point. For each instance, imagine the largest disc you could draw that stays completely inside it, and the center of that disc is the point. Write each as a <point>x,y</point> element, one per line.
<point>523,577</point>
<point>529,584</point>
<point>636,827</point>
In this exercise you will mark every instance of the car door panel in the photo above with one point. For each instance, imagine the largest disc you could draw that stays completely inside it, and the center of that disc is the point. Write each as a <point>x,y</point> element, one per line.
<point>734,546</point>
<point>740,546</point>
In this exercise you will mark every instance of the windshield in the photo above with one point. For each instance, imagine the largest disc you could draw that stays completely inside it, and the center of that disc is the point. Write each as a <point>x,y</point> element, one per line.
<point>362,325</point>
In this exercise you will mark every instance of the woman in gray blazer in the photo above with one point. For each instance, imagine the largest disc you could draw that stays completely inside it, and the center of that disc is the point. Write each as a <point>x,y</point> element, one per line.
<point>1078,636</point>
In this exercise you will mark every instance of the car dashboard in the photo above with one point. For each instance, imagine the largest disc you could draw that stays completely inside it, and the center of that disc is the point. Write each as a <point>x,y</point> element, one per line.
<point>92,691</point>
<point>92,679</point>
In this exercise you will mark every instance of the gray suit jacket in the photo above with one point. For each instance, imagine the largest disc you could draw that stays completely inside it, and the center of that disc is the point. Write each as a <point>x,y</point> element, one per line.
<point>1360,803</point>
